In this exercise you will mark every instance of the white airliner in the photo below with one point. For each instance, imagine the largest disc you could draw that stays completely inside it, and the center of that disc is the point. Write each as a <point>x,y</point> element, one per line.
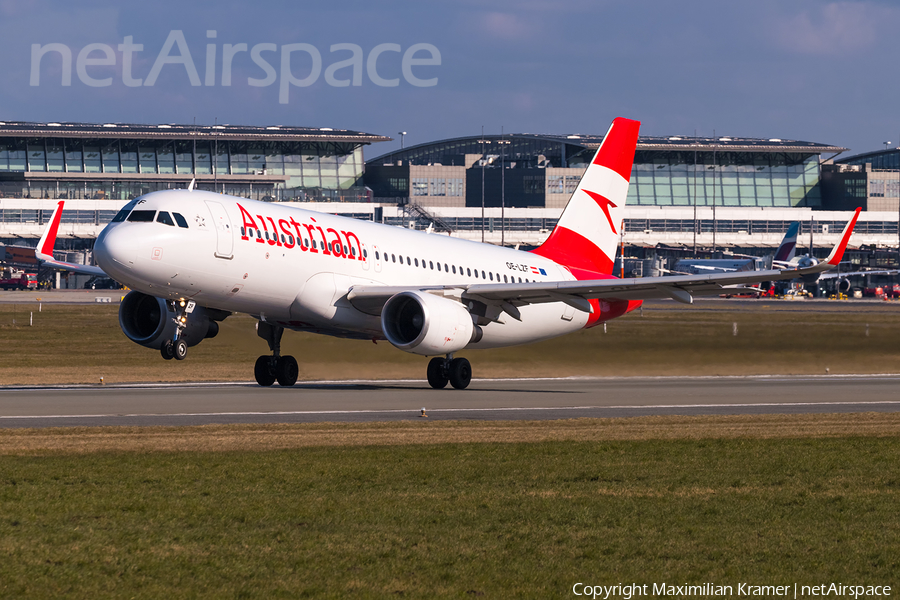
<point>192,258</point>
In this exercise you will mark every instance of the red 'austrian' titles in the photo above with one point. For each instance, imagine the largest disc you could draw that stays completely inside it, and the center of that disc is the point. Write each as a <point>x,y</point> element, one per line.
<point>332,242</point>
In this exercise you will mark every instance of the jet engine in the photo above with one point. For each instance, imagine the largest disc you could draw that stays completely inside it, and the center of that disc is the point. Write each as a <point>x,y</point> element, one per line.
<point>806,262</point>
<point>843,286</point>
<point>149,321</point>
<point>426,324</point>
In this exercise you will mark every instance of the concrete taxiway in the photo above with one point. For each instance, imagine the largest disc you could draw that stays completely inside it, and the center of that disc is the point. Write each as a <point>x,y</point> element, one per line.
<point>507,399</point>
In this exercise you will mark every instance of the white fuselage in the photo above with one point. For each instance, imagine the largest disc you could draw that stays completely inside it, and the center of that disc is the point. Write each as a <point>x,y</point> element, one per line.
<point>294,267</point>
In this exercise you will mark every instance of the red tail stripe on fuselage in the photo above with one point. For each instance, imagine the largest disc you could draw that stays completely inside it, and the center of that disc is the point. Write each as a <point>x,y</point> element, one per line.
<point>570,249</point>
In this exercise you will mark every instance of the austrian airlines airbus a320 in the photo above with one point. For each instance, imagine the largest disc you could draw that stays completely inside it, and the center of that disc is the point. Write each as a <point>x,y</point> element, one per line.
<point>192,258</point>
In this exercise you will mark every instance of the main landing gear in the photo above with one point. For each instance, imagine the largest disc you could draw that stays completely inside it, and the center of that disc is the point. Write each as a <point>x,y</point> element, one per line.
<point>269,369</point>
<point>176,347</point>
<point>456,371</point>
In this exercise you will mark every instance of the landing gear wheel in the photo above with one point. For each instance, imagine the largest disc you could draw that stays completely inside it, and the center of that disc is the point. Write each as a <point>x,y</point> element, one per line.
<point>167,350</point>
<point>263,371</point>
<point>460,373</point>
<point>179,350</point>
<point>286,371</point>
<point>436,377</point>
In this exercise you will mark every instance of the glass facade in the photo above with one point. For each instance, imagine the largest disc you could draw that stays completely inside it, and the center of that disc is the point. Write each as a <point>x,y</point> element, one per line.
<point>725,179</point>
<point>886,160</point>
<point>660,177</point>
<point>308,170</point>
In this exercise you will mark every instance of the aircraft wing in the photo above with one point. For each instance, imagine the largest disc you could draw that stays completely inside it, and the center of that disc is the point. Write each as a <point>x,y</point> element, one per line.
<point>370,299</point>
<point>44,250</point>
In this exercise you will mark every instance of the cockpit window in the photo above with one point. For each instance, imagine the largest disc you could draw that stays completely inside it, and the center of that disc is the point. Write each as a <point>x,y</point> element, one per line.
<point>182,222</point>
<point>120,216</point>
<point>164,218</point>
<point>141,216</point>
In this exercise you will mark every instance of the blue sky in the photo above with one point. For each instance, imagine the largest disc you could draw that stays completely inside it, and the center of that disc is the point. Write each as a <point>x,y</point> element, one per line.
<point>818,71</point>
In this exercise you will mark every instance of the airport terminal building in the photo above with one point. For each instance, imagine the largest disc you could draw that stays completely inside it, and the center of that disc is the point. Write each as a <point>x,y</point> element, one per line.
<point>524,170</point>
<point>687,194</point>
<point>98,168</point>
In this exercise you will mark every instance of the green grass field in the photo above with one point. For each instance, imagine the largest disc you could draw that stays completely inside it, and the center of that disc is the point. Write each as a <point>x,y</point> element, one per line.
<point>289,512</point>
<point>83,343</point>
<point>451,510</point>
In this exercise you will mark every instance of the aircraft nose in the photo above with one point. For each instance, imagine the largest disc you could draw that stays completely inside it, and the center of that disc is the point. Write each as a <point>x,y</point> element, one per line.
<point>115,250</point>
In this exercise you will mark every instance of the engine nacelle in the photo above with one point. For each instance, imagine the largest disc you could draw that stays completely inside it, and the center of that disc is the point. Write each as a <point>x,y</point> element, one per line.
<point>806,262</point>
<point>426,324</point>
<point>843,286</point>
<point>149,321</point>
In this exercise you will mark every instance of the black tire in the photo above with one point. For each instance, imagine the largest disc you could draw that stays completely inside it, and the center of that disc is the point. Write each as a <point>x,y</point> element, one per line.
<point>263,371</point>
<point>286,371</point>
<point>167,350</point>
<point>460,373</point>
<point>436,377</point>
<point>179,350</point>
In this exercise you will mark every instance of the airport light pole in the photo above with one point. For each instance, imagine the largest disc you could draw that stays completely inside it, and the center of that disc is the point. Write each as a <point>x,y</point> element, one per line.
<point>503,144</point>
<point>483,160</point>
<point>695,193</point>
<point>401,134</point>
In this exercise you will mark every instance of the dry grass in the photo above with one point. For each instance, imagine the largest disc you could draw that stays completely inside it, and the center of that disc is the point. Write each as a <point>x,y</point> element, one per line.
<point>264,438</point>
<point>82,343</point>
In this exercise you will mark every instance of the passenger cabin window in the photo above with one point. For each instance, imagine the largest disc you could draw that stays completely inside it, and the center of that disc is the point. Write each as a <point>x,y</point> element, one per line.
<point>165,218</point>
<point>141,216</point>
<point>182,222</point>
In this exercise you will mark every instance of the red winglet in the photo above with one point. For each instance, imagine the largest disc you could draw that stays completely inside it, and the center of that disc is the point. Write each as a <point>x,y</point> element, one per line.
<point>48,240</point>
<point>838,252</point>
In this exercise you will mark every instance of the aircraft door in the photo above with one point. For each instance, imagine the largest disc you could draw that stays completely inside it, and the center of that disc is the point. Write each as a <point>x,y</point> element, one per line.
<point>365,257</point>
<point>377,259</point>
<point>224,235</point>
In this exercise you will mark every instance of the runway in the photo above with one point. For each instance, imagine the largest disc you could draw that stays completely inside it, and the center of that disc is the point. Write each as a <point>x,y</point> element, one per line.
<point>501,399</point>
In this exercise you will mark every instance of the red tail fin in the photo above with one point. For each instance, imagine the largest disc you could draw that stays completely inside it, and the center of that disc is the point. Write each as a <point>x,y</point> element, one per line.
<point>588,230</point>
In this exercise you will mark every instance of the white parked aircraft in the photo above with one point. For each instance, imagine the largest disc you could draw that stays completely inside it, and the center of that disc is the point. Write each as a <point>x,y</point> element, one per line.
<point>193,257</point>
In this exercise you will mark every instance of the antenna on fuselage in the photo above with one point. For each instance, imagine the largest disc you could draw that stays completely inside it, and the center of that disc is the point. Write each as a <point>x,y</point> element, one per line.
<point>191,185</point>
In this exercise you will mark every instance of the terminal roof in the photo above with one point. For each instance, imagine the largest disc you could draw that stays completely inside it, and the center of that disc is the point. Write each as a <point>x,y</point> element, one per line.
<point>278,133</point>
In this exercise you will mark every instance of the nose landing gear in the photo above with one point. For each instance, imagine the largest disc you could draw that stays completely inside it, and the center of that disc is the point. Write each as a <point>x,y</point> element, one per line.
<point>177,348</point>
<point>269,369</point>
<point>456,371</point>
